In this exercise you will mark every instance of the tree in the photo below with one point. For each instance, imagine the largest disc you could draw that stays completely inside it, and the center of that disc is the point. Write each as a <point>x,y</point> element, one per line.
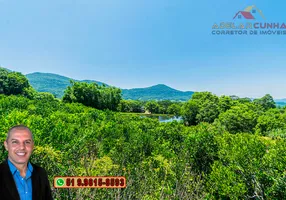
<point>244,100</point>
<point>225,102</point>
<point>81,92</point>
<point>204,96</point>
<point>152,106</point>
<point>12,82</point>
<point>124,106</point>
<point>208,112</point>
<point>3,80</point>
<point>202,107</point>
<point>189,112</point>
<point>266,102</point>
<point>239,118</point>
<point>92,94</point>
<point>163,106</point>
<point>109,97</point>
<point>174,109</point>
<point>136,106</point>
<point>272,119</point>
<point>130,106</point>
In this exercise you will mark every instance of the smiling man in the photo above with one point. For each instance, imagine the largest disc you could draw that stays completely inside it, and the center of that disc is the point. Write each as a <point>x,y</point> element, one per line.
<point>19,179</point>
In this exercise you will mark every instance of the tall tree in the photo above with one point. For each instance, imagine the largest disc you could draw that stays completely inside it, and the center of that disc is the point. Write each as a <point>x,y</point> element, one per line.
<point>152,106</point>
<point>202,107</point>
<point>12,82</point>
<point>239,118</point>
<point>92,94</point>
<point>266,102</point>
<point>189,112</point>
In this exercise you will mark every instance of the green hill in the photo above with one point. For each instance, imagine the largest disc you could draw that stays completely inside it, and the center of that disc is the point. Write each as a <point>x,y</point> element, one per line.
<point>56,84</point>
<point>280,102</point>
<point>158,92</point>
<point>53,83</point>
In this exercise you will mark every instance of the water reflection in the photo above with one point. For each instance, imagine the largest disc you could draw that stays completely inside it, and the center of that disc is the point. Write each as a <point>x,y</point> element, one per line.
<point>164,118</point>
<point>169,119</point>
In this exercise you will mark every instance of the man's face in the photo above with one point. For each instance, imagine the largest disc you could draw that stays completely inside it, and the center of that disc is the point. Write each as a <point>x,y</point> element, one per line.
<point>19,146</point>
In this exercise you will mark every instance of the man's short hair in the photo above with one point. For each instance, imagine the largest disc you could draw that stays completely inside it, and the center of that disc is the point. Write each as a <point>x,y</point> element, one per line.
<point>18,127</point>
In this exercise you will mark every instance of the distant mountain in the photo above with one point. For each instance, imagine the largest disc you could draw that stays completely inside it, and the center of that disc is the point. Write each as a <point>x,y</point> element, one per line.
<point>158,92</point>
<point>280,102</point>
<point>56,84</point>
<point>53,83</point>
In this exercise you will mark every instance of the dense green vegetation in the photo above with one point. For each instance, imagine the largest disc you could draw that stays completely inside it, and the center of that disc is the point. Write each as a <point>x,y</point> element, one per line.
<point>154,107</point>
<point>12,82</point>
<point>91,94</point>
<point>227,147</point>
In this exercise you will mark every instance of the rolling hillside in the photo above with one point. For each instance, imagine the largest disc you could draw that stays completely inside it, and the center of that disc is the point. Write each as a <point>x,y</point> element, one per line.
<point>56,84</point>
<point>53,83</point>
<point>158,92</point>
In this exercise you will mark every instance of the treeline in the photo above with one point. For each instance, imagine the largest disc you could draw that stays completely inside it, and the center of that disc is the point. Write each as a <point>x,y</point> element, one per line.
<point>226,148</point>
<point>236,115</point>
<point>106,97</point>
<point>90,94</point>
<point>152,106</point>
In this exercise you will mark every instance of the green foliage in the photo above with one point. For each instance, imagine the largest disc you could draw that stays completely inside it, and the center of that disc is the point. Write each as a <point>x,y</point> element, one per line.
<point>164,105</point>
<point>277,133</point>
<point>174,109</point>
<point>202,147</point>
<point>244,100</point>
<point>271,120</point>
<point>91,94</point>
<point>52,83</point>
<point>44,96</point>
<point>159,160</point>
<point>189,112</point>
<point>152,106</point>
<point>12,82</point>
<point>239,118</point>
<point>266,102</point>
<point>236,174</point>
<point>202,107</point>
<point>208,112</point>
<point>130,106</point>
<point>155,107</point>
<point>57,84</point>
<point>224,183</point>
<point>225,103</point>
<point>274,174</point>
<point>3,80</point>
<point>204,96</point>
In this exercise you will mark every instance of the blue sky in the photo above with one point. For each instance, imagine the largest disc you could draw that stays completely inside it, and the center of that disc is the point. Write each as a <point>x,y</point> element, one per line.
<point>129,44</point>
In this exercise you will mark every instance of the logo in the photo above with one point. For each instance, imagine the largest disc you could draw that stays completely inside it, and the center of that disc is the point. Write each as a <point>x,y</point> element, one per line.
<point>249,21</point>
<point>60,182</point>
<point>248,13</point>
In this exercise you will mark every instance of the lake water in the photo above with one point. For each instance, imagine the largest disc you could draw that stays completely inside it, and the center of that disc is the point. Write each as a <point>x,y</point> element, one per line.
<point>169,119</point>
<point>164,118</point>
